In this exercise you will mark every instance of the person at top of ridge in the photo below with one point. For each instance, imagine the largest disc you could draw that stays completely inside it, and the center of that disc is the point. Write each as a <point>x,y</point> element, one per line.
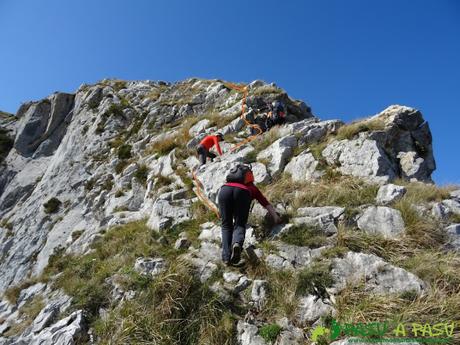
<point>206,144</point>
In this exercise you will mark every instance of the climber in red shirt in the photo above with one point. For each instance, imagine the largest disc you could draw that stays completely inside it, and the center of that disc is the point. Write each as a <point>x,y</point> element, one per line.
<point>206,144</point>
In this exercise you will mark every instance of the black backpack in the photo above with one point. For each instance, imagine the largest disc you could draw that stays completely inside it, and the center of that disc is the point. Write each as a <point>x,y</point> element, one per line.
<point>240,173</point>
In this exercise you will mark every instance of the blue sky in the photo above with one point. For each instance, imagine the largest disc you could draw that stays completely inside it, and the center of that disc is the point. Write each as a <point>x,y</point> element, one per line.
<point>346,59</point>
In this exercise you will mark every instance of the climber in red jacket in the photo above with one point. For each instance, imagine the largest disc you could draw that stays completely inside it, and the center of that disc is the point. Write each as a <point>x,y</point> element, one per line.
<point>206,144</point>
<point>234,200</point>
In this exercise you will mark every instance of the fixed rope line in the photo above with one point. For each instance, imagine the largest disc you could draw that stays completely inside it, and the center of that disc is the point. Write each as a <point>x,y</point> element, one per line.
<point>239,88</point>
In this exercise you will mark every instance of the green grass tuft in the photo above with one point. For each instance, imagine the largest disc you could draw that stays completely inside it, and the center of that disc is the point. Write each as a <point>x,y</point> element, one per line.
<point>314,280</point>
<point>270,332</point>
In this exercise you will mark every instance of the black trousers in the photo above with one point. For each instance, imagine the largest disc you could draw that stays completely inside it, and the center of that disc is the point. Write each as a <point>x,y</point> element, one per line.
<point>203,154</point>
<point>234,205</point>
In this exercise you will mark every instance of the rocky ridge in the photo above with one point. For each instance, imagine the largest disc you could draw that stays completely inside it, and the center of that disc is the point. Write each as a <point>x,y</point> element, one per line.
<point>116,157</point>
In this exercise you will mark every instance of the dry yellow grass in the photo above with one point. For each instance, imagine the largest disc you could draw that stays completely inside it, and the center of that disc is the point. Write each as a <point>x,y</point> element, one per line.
<point>349,131</point>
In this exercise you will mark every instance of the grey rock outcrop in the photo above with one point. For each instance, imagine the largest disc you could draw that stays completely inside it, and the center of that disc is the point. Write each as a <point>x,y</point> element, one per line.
<point>381,220</point>
<point>402,148</point>
<point>360,157</point>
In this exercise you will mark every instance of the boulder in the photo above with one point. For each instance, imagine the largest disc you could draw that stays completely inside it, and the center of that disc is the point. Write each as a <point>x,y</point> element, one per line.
<point>310,308</point>
<point>389,193</point>
<point>452,205</point>
<point>324,218</point>
<point>381,220</point>
<point>247,334</point>
<point>205,259</point>
<point>259,293</point>
<point>303,167</point>
<point>278,154</point>
<point>453,233</point>
<point>165,214</point>
<point>377,275</point>
<point>150,266</point>
<point>163,166</point>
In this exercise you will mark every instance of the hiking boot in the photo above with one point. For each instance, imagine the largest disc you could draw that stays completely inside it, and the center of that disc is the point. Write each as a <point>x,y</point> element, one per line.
<point>236,253</point>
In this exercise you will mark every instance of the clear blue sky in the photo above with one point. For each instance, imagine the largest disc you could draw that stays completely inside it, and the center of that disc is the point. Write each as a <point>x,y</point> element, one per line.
<point>346,59</point>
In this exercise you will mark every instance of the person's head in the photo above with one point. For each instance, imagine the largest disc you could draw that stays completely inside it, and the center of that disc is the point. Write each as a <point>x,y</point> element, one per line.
<point>219,136</point>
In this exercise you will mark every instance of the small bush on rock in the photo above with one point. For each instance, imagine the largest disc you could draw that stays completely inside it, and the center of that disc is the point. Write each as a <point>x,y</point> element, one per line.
<point>52,205</point>
<point>141,174</point>
<point>124,151</point>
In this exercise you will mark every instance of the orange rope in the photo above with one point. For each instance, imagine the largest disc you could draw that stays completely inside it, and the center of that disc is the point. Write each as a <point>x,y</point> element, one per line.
<point>200,195</point>
<point>244,89</point>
